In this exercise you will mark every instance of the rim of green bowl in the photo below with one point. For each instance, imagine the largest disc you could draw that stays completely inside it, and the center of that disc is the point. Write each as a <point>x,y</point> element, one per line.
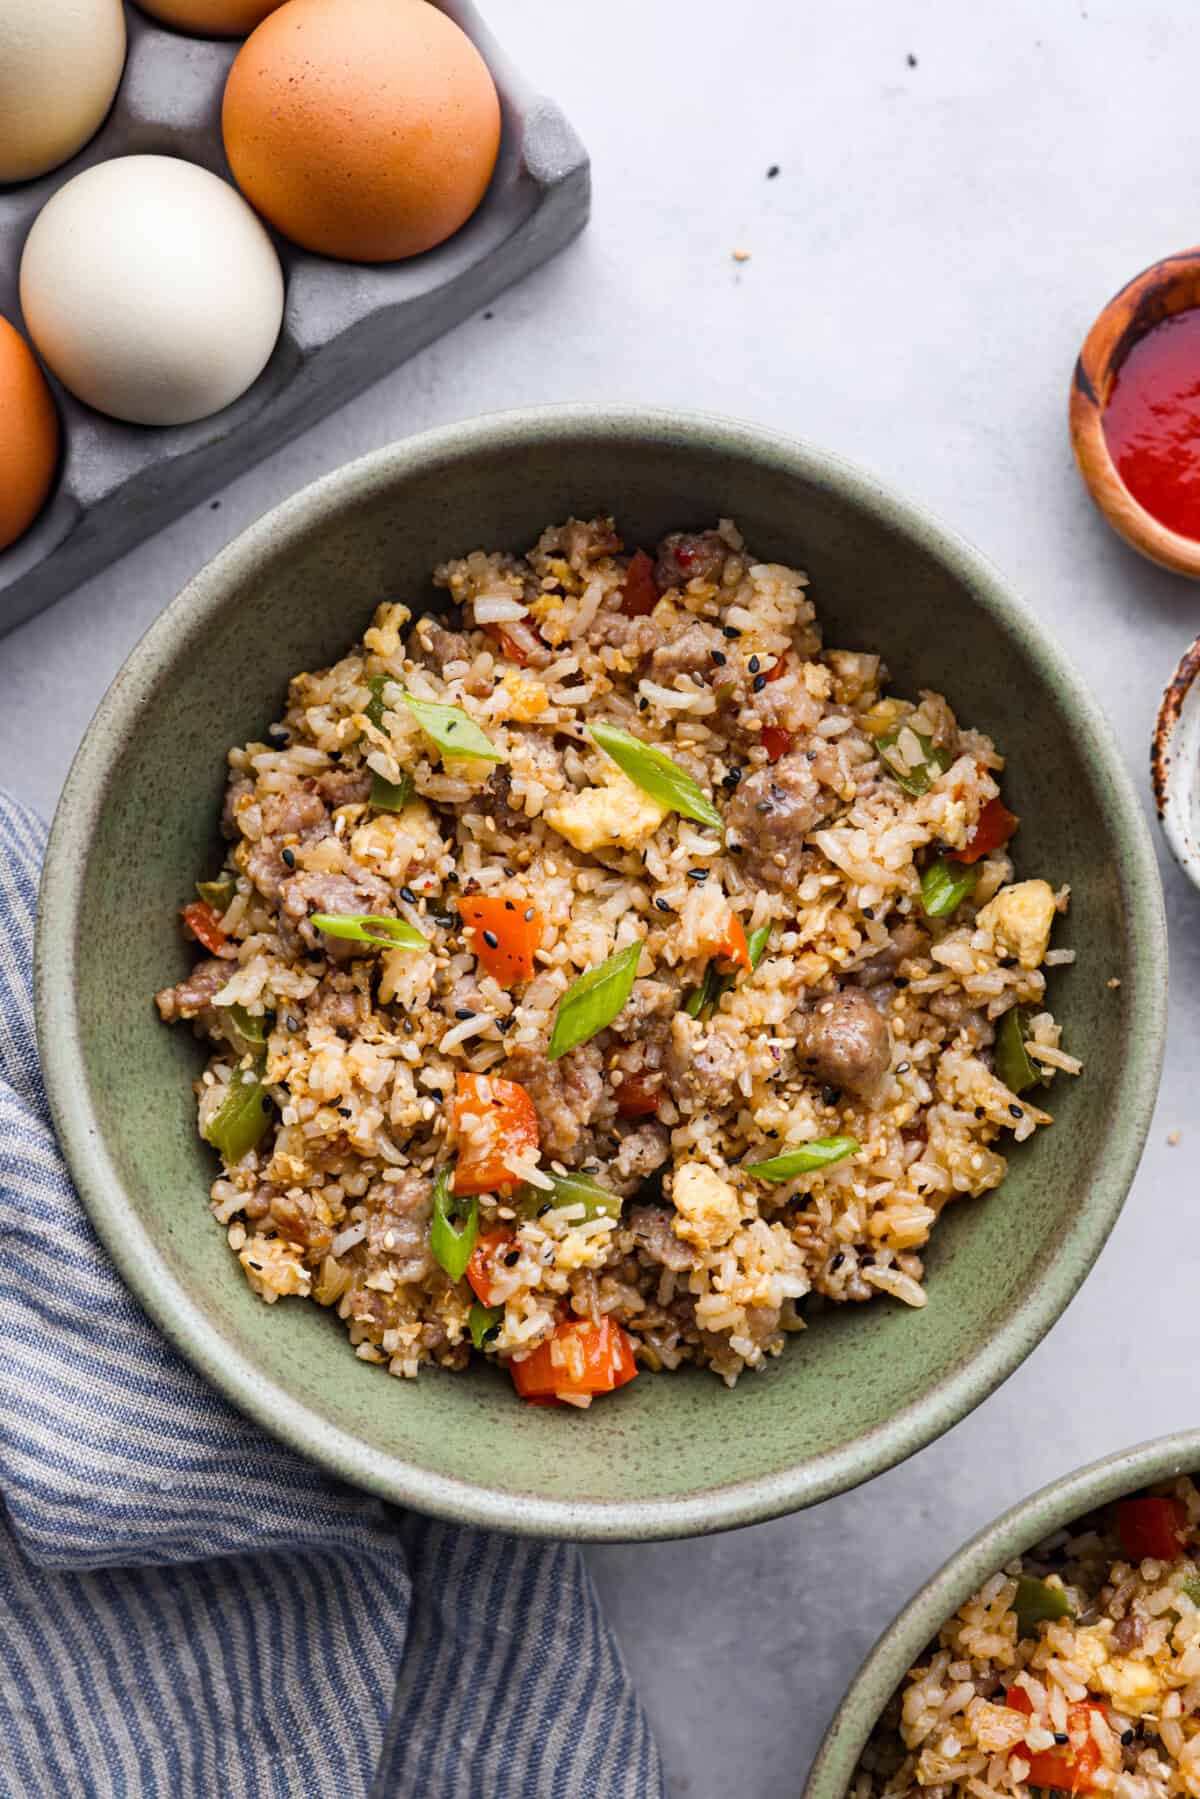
<point>182,626</point>
<point>1015,1531</point>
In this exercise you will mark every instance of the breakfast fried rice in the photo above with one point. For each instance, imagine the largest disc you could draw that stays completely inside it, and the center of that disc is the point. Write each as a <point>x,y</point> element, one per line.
<point>1075,1669</point>
<point>603,967</point>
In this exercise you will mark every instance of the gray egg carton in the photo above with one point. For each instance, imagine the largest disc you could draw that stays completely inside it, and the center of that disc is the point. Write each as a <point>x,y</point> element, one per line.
<point>345,324</point>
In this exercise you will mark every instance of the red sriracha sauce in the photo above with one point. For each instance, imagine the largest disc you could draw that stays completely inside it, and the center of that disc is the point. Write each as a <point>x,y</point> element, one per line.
<point>1152,422</point>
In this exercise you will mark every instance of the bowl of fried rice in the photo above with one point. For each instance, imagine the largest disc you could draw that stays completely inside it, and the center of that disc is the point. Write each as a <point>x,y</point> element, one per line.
<point>1059,1650</point>
<point>600,974</point>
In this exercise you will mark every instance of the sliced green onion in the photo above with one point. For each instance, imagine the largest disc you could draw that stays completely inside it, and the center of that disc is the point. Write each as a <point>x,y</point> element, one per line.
<point>944,887</point>
<point>571,1190</point>
<point>483,1322</point>
<point>454,732</point>
<point>757,942</point>
<point>251,1027</point>
<point>702,1001</point>
<point>451,1246</point>
<point>218,894</point>
<point>594,1000</point>
<point>374,709</point>
<point>920,778</point>
<point>390,796</point>
<point>367,927</point>
<point>822,1152</point>
<point>240,1121</point>
<point>653,771</point>
<point>1190,1584</point>
<point>1037,1601</point>
<point>1014,1065</point>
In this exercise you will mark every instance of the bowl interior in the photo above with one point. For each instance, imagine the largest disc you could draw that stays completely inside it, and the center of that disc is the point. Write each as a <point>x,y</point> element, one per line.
<point>864,1385</point>
<point>1017,1530</point>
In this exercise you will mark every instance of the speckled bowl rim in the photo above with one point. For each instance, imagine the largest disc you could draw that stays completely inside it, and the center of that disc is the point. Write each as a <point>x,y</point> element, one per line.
<point>1174,776</point>
<point>167,1299</point>
<point>1015,1531</point>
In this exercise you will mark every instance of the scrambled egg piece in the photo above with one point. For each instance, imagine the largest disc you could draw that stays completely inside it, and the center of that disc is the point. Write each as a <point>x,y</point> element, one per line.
<point>619,813</point>
<point>1020,918</point>
<point>390,841</point>
<point>707,1208</point>
<point>1133,1687</point>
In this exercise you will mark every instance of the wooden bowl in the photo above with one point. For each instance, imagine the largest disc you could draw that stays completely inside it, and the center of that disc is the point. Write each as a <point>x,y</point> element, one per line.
<point>1165,288</point>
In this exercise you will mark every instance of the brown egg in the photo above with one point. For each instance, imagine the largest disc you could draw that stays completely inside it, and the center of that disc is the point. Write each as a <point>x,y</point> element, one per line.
<point>211,18</point>
<point>28,436</point>
<point>362,129</point>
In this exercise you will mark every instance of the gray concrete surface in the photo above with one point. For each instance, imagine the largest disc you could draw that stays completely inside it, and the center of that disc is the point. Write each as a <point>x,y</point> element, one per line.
<point>922,270</point>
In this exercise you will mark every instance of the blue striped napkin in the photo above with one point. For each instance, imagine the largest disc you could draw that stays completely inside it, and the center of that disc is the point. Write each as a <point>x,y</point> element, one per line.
<point>186,1608</point>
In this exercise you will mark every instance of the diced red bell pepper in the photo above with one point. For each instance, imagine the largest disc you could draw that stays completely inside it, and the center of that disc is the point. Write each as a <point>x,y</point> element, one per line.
<point>1151,1527</point>
<point>205,925</point>
<point>1069,1767</point>
<point>580,1358</point>
<point>504,935</point>
<point>639,595</point>
<point>507,1126</point>
<point>636,1098</point>
<point>776,741</point>
<point>519,640</point>
<point>481,1269</point>
<point>733,947</point>
<point>995,826</point>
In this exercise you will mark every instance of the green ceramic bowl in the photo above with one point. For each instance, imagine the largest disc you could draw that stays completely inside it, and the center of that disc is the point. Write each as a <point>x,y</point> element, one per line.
<point>865,1386</point>
<point>903,1643</point>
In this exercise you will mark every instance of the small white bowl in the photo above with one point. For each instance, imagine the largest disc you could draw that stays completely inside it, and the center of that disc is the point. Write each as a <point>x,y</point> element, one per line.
<point>1175,764</point>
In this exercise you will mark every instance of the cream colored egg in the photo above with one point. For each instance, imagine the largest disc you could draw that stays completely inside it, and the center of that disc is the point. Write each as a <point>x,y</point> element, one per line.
<point>151,290</point>
<point>60,65</point>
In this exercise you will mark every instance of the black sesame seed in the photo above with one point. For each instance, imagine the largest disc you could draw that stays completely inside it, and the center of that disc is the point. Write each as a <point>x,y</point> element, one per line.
<point>512,1258</point>
<point>508,906</point>
<point>491,939</point>
<point>406,893</point>
<point>452,879</point>
<point>1127,1737</point>
<point>868,912</point>
<point>293,1024</point>
<point>720,658</point>
<point>1060,1736</point>
<point>903,1067</point>
<point>266,1102</point>
<point>542,1210</point>
<point>529,915</point>
<point>837,1261</point>
<point>754,665</point>
<point>510,872</point>
<point>901,981</point>
<point>662,904</point>
<point>289,857</point>
<point>772,171</point>
<point>758,683</point>
<point>345,1112</point>
<point>1008,961</point>
<point>729,632</point>
<point>979,1112</point>
<point>452,726</point>
<point>463,1012</point>
<point>830,1095</point>
<point>697,874</point>
<point>643,704</point>
<point>1016,1111</point>
<point>504,1025</point>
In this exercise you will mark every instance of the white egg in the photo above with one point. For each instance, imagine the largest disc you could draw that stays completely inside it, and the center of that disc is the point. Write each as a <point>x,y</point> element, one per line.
<point>60,64</point>
<point>151,290</point>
